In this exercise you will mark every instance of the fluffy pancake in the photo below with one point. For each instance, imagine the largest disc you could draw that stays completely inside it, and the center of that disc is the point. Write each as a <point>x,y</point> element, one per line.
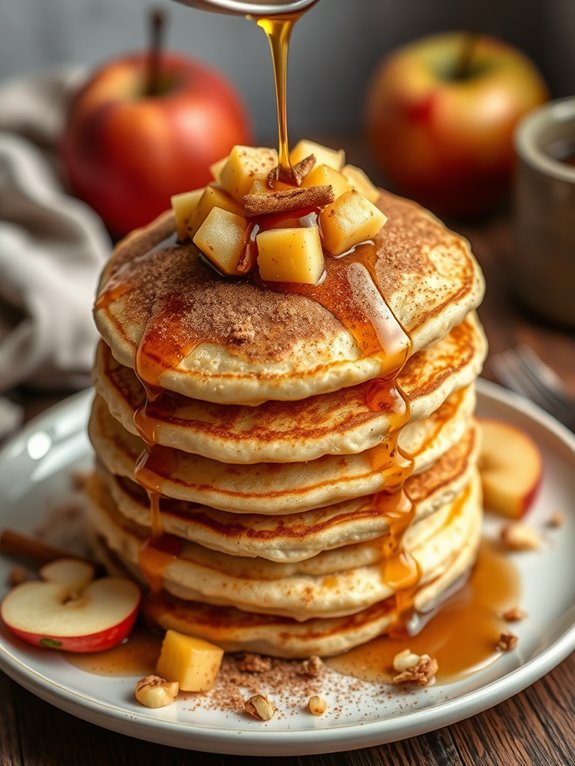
<point>332,584</point>
<point>241,343</point>
<point>279,488</point>
<point>336,423</point>
<point>294,537</point>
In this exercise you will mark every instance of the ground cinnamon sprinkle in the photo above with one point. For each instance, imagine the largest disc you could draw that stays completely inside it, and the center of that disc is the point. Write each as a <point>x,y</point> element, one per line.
<point>244,675</point>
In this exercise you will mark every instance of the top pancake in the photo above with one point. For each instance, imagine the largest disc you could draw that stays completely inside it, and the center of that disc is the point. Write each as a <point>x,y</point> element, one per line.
<point>236,341</point>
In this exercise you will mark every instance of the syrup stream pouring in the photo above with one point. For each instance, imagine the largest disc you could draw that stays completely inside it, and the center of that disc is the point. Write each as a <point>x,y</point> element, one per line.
<point>251,8</point>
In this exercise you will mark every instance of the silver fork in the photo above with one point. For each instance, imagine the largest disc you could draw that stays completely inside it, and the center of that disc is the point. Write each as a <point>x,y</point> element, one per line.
<point>521,370</point>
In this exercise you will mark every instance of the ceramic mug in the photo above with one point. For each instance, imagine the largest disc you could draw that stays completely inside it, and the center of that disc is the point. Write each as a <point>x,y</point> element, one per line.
<point>543,266</point>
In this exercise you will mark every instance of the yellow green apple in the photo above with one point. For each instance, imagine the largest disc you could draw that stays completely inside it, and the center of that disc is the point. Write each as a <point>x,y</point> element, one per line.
<point>440,116</point>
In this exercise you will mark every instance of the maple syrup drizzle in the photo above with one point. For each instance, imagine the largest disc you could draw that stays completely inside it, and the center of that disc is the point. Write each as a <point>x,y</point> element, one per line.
<point>463,633</point>
<point>159,549</point>
<point>278,30</point>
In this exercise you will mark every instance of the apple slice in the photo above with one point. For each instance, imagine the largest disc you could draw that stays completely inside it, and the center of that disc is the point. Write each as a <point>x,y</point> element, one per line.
<point>73,573</point>
<point>511,468</point>
<point>55,614</point>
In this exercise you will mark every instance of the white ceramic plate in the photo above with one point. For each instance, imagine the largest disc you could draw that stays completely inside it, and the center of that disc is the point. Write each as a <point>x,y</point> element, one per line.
<point>34,469</point>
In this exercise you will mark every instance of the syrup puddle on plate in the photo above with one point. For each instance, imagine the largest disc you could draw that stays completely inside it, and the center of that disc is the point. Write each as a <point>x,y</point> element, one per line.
<point>462,636</point>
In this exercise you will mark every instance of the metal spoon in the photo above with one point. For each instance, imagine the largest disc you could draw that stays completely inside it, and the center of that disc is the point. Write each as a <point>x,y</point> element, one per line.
<point>250,7</point>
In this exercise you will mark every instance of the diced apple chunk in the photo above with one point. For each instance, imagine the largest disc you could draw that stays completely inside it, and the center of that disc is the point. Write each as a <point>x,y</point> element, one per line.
<point>184,206</point>
<point>192,662</point>
<point>211,198</point>
<point>216,169</point>
<point>334,158</point>
<point>361,182</point>
<point>222,239</point>
<point>349,220</point>
<point>290,255</point>
<point>244,165</point>
<point>259,187</point>
<point>323,175</point>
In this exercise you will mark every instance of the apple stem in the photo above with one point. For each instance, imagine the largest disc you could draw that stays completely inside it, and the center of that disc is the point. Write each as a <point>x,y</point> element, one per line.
<point>157,26</point>
<point>463,63</point>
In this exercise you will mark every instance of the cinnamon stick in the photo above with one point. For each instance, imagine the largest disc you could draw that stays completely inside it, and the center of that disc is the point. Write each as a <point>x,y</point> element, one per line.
<point>33,551</point>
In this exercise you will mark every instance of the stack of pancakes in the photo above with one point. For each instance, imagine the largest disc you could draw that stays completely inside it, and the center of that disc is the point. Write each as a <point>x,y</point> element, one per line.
<point>293,470</point>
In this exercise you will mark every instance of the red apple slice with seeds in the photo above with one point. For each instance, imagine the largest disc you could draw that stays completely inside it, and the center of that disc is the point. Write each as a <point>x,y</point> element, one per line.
<point>511,468</point>
<point>70,611</point>
<point>73,573</point>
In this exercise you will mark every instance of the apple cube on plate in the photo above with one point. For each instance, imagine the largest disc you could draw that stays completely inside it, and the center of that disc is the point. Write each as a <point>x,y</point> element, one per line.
<point>323,175</point>
<point>216,169</point>
<point>222,238</point>
<point>244,165</point>
<point>290,255</point>
<point>211,198</point>
<point>192,662</point>
<point>334,158</point>
<point>360,181</point>
<point>184,206</point>
<point>349,220</point>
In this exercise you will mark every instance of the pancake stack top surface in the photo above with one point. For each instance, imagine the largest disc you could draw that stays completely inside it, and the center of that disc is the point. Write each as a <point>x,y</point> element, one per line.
<point>281,460</point>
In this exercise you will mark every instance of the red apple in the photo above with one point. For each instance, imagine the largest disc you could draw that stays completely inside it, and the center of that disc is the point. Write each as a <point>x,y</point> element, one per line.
<point>440,116</point>
<point>70,611</point>
<point>511,468</point>
<point>126,152</point>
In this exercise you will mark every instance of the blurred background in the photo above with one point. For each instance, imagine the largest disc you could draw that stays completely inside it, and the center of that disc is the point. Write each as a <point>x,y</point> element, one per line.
<point>332,54</point>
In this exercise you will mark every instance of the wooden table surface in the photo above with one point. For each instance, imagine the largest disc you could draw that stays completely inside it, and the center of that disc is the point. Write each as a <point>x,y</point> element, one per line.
<point>534,727</point>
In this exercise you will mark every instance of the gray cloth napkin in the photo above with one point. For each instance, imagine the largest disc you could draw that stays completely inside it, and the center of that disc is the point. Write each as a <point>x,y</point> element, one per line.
<point>52,246</point>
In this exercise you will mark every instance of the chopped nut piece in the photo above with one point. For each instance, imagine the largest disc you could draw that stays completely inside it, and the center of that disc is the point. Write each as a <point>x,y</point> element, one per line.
<point>16,576</point>
<point>312,667</point>
<point>153,691</point>
<point>507,642</point>
<point>404,660</point>
<point>520,537</point>
<point>514,615</point>
<point>286,200</point>
<point>414,668</point>
<point>317,705</point>
<point>260,707</point>
<point>254,663</point>
<point>556,519</point>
